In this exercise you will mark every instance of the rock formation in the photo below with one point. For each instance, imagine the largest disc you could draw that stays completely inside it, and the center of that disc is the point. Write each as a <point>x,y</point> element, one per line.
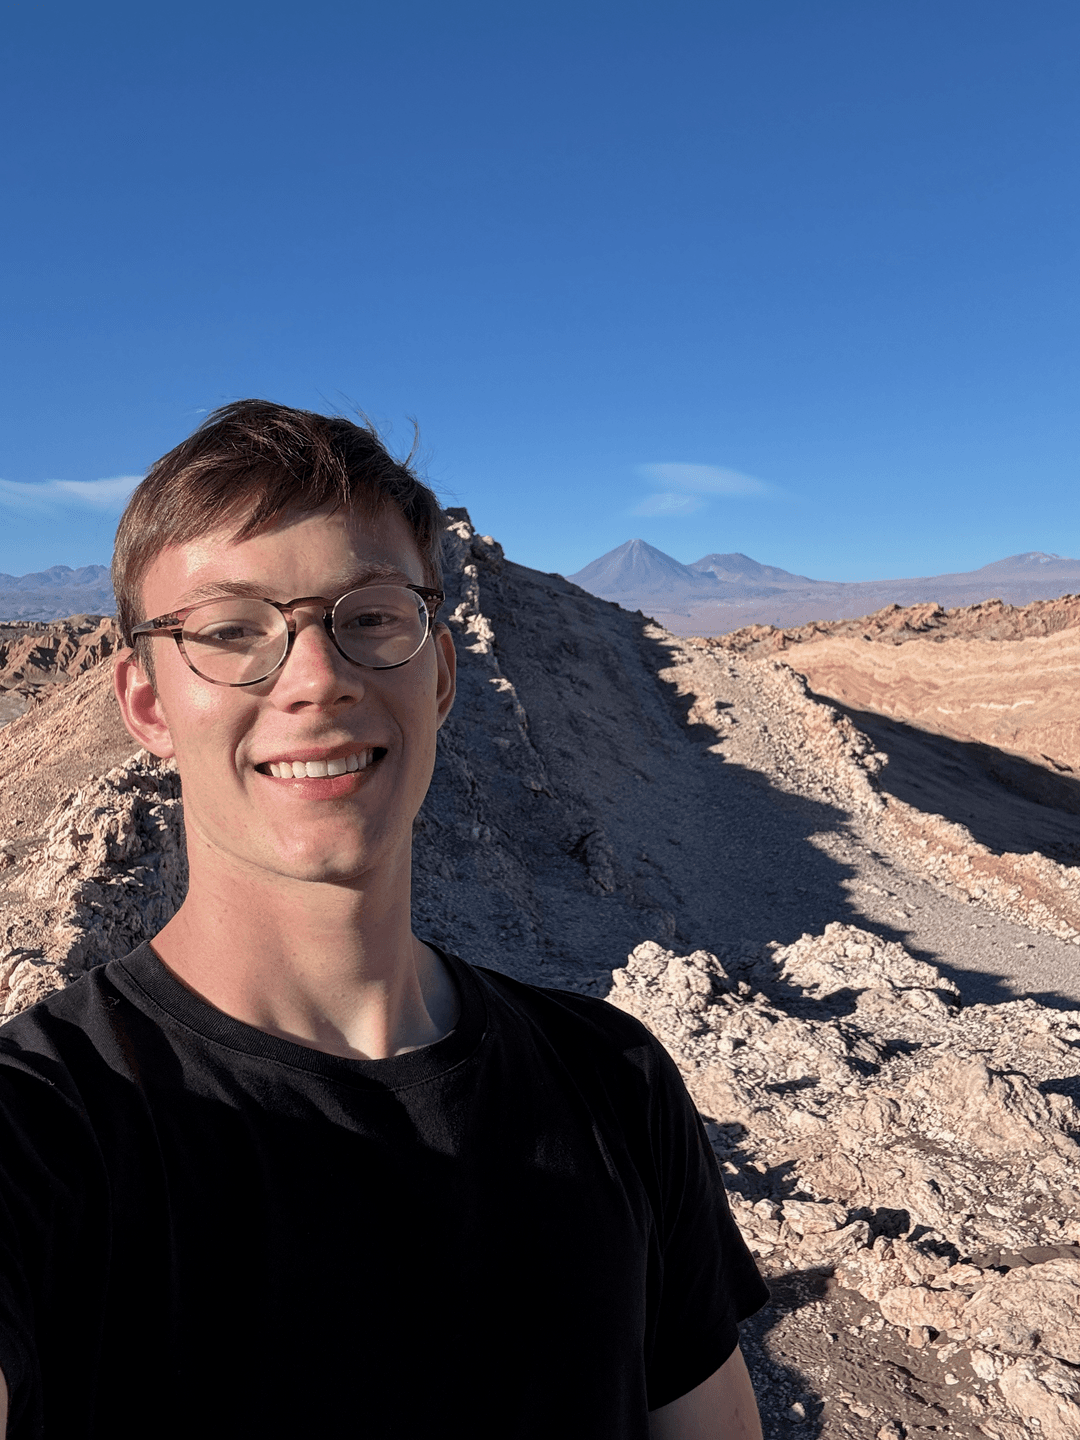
<point>34,657</point>
<point>992,674</point>
<point>923,1154</point>
<point>828,963</point>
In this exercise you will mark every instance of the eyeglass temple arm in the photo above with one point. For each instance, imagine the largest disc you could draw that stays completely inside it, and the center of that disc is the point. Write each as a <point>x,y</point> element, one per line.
<point>432,598</point>
<point>160,623</point>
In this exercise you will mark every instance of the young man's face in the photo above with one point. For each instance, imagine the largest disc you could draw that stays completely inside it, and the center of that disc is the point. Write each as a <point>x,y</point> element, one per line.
<point>318,706</point>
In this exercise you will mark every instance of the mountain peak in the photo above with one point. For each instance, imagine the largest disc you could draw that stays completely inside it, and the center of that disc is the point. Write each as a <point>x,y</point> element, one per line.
<point>634,568</point>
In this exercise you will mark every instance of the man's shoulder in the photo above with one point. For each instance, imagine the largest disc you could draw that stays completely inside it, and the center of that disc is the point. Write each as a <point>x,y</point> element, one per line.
<point>65,1024</point>
<point>575,1023</point>
<point>560,1006</point>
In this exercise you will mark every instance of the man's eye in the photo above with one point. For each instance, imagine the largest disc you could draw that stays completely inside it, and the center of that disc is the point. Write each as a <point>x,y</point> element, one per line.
<point>227,633</point>
<point>369,619</point>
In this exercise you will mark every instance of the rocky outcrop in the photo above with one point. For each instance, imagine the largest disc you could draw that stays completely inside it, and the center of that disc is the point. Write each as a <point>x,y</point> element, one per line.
<point>897,624</point>
<point>923,1154</point>
<point>35,657</point>
<point>110,871</point>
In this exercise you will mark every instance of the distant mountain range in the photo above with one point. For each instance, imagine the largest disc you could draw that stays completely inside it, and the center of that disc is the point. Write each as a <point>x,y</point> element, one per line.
<point>719,593</point>
<point>54,593</point>
<point>715,594</point>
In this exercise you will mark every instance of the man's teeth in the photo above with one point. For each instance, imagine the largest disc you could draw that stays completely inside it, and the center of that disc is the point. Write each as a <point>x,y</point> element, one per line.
<point>315,769</point>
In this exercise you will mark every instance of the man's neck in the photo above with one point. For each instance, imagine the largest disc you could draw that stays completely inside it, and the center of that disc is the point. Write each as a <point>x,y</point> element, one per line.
<point>332,967</point>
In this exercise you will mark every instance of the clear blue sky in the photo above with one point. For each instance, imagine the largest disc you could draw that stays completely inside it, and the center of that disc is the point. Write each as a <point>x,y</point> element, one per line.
<point>793,279</point>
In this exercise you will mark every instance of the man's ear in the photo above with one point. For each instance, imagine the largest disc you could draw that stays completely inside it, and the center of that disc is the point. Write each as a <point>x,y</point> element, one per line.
<point>447,682</point>
<point>140,708</point>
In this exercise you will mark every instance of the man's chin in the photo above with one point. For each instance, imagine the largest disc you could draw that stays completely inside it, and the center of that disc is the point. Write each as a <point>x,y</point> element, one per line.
<point>349,859</point>
<point>347,870</point>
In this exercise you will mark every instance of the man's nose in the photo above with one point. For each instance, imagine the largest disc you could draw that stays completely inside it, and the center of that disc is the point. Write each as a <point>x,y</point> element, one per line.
<point>315,671</point>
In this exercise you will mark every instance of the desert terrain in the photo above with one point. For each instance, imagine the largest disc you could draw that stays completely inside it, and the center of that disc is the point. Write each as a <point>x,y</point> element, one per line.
<point>854,922</point>
<point>720,593</point>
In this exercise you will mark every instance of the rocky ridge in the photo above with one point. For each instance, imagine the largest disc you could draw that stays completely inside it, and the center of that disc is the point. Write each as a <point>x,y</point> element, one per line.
<point>897,624</point>
<point>36,656</point>
<point>904,1165</point>
<point>988,675</point>
<point>814,748</point>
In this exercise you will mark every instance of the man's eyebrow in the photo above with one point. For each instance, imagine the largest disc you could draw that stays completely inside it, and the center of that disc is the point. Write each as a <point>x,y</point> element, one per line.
<point>254,590</point>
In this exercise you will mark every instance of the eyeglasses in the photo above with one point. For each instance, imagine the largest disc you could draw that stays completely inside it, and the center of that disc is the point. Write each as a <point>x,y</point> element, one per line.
<point>237,641</point>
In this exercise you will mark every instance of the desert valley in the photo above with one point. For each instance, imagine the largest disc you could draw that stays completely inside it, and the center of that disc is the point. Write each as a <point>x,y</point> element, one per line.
<point>834,866</point>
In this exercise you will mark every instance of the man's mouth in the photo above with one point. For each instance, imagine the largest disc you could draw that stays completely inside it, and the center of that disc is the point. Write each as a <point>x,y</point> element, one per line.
<point>320,769</point>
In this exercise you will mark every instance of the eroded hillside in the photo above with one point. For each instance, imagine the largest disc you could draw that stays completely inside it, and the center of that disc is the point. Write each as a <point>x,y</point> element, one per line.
<point>840,973</point>
<point>36,656</point>
<point>989,674</point>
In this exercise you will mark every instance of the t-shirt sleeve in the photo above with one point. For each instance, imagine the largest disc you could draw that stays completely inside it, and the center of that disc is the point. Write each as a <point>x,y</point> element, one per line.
<point>708,1281</point>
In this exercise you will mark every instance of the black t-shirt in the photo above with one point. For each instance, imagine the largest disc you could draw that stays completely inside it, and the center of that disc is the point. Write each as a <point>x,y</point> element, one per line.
<point>519,1231</point>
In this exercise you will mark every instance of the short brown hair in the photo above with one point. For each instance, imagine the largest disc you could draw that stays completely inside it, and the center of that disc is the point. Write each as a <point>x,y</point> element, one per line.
<point>253,461</point>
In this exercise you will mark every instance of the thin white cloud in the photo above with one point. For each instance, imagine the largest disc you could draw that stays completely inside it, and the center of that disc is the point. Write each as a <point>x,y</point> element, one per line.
<point>667,503</point>
<point>49,496</point>
<point>707,480</point>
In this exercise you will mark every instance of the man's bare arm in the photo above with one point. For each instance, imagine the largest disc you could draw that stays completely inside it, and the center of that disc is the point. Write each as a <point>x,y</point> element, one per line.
<point>3,1406</point>
<point>720,1408</point>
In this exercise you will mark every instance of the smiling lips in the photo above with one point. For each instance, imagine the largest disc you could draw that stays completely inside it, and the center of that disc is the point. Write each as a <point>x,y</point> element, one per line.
<point>320,769</point>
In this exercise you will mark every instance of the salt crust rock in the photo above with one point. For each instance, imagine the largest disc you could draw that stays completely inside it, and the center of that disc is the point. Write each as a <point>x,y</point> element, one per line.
<point>1049,1396</point>
<point>903,1144</point>
<point>112,870</point>
<point>957,1098</point>
<point>1029,1311</point>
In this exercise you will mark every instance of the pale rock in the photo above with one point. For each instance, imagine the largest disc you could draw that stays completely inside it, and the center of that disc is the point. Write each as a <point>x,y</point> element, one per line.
<point>1048,1396</point>
<point>889,1266</point>
<point>1031,1310</point>
<point>834,1176</point>
<point>30,982</point>
<point>985,1365</point>
<point>817,1249</point>
<point>911,1306</point>
<point>839,961</point>
<point>808,1217</point>
<point>718,1094</point>
<point>958,1098</point>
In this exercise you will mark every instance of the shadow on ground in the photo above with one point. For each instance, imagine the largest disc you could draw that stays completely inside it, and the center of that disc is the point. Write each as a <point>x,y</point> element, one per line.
<point>1008,803</point>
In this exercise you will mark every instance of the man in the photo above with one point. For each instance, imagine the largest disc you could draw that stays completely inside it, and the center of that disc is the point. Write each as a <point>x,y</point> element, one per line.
<point>288,1170</point>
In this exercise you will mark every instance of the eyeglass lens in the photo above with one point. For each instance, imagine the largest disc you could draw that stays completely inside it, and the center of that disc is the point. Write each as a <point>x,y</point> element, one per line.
<point>237,641</point>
